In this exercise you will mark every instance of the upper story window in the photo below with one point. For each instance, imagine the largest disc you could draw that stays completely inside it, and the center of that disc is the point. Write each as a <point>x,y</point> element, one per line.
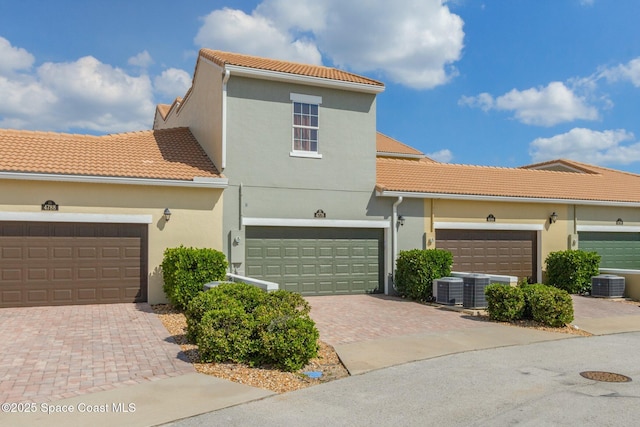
<point>306,125</point>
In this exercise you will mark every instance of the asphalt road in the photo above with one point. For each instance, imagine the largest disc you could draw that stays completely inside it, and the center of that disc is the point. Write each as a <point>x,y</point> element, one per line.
<point>530,385</point>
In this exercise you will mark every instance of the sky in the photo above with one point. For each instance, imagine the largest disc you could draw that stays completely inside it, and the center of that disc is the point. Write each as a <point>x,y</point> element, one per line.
<point>486,82</point>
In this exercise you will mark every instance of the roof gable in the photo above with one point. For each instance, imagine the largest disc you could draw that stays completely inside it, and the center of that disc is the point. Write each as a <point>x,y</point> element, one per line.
<point>389,147</point>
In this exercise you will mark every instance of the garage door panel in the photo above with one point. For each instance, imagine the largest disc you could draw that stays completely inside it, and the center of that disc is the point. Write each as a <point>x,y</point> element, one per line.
<point>617,250</point>
<point>325,259</point>
<point>68,263</point>
<point>491,251</point>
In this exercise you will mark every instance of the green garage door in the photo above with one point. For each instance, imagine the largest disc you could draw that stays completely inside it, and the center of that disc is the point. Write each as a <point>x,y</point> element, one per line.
<point>317,261</point>
<point>618,250</point>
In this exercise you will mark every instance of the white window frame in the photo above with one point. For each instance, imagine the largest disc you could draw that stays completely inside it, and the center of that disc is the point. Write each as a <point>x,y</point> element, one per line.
<point>311,100</point>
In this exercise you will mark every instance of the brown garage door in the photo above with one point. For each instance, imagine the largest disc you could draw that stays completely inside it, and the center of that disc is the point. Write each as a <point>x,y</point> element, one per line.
<point>506,252</point>
<point>69,263</point>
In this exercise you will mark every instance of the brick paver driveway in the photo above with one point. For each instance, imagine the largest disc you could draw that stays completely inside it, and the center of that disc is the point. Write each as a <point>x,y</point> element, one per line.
<point>52,353</point>
<point>344,319</point>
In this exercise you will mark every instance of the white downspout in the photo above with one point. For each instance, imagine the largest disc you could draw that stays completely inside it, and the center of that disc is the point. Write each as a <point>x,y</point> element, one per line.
<point>225,79</point>
<point>394,240</point>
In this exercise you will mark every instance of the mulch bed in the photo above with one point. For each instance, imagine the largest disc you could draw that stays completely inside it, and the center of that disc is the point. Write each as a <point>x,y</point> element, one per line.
<point>275,380</point>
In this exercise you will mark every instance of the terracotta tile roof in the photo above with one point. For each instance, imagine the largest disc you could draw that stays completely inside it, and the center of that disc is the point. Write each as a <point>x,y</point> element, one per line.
<point>163,109</point>
<point>160,154</point>
<point>601,184</point>
<point>387,145</point>
<point>248,61</point>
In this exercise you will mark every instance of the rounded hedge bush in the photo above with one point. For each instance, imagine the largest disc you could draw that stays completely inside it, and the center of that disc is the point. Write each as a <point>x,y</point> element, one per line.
<point>572,270</point>
<point>551,306</point>
<point>417,268</point>
<point>286,340</point>
<point>248,296</point>
<point>186,270</point>
<point>225,334</point>
<point>242,323</point>
<point>504,303</point>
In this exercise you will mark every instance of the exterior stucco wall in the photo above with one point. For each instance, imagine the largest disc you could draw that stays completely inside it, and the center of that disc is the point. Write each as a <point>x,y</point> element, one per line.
<point>265,181</point>
<point>201,111</point>
<point>412,234</point>
<point>195,221</point>
<point>607,215</point>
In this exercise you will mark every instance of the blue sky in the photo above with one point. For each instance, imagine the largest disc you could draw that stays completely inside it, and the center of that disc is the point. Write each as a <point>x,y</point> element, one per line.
<point>493,82</point>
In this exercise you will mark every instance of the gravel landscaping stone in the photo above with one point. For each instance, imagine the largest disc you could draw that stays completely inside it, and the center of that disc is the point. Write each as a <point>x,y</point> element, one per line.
<point>275,380</point>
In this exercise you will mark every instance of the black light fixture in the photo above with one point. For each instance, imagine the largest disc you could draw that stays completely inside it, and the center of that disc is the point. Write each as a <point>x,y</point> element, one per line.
<point>553,218</point>
<point>401,220</point>
<point>167,214</point>
<point>619,221</point>
<point>491,218</point>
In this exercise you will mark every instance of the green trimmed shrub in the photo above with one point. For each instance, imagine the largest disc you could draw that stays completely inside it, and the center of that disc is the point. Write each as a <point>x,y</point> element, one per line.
<point>504,303</point>
<point>249,297</point>
<point>241,323</point>
<point>417,268</point>
<point>528,290</point>
<point>186,270</point>
<point>286,339</point>
<point>226,333</point>
<point>572,270</point>
<point>551,306</point>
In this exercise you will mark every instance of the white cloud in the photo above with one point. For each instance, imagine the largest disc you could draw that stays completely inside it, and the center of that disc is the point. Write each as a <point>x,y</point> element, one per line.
<point>142,60</point>
<point>414,43</point>
<point>234,30</point>
<point>172,82</point>
<point>83,94</point>
<point>13,58</point>
<point>623,72</point>
<point>543,106</point>
<point>444,156</point>
<point>596,147</point>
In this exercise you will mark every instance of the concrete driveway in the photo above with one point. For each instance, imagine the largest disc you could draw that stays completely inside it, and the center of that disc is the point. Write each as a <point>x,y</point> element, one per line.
<point>52,353</point>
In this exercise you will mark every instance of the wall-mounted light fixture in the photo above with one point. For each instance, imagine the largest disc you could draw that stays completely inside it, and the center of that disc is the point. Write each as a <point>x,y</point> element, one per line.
<point>167,214</point>
<point>491,218</point>
<point>553,218</point>
<point>401,220</point>
<point>619,221</point>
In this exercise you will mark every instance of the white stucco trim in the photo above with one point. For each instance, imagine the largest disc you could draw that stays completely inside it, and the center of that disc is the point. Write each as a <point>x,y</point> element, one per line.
<point>486,226</point>
<point>305,154</point>
<point>306,80</point>
<point>305,99</point>
<point>325,223</point>
<point>75,217</point>
<point>609,228</point>
<point>473,197</point>
<point>198,182</point>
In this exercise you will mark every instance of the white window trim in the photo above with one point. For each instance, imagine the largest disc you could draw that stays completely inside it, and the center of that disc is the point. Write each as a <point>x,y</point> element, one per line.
<point>306,154</point>
<point>305,99</point>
